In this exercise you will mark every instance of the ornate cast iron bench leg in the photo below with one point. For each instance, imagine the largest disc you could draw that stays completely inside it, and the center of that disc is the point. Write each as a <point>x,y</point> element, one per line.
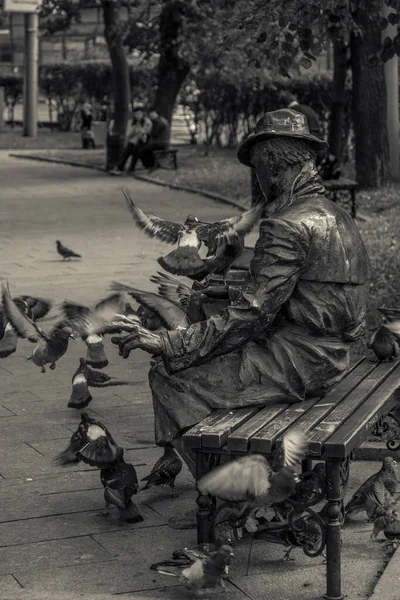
<point>205,503</point>
<point>333,531</point>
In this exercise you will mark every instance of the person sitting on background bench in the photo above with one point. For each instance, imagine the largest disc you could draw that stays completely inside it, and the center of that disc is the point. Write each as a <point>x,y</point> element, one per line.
<point>157,140</point>
<point>286,335</point>
<point>137,136</point>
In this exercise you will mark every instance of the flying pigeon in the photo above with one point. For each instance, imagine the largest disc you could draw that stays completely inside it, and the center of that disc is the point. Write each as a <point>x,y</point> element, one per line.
<point>165,470</point>
<point>85,377</point>
<point>250,479</point>
<point>377,490</point>
<point>204,574</point>
<point>65,252</point>
<point>50,346</point>
<point>385,342</point>
<point>189,237</point>
<point>34,308</point>
<point>189,299</point>
<point>120,484</point>
<point>91,443</point>
<point>91,323</point>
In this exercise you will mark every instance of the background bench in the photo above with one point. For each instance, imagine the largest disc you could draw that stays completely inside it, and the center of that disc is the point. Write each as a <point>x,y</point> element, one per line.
<point>335,425</point>
<point>344,190</point>
<point>167,159</point>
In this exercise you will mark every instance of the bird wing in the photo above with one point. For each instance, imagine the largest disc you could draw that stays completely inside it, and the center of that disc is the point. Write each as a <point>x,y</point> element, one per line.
<point>24,327</point>
<point>229,230</point>
<point>38,306</point>
<point>94,377</point>
<point>72,310</point>
<point>107,308</point>
<point>86,322</point>
<point>166,231</point>
<point>390,313</point>
<point>171,314</point>
<point>115,496</point>
<point>243,479</point>
<point>394,327</point>
<point>376,495</point>
<point>171,288</point>
<point>294,447</point>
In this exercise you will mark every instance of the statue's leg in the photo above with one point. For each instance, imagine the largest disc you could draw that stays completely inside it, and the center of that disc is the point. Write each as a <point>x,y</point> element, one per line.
<point>333,531</point>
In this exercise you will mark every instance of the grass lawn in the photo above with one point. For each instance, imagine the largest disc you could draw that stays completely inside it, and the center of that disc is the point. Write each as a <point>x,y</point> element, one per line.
<point>220,172</point>
<point>13,139</point>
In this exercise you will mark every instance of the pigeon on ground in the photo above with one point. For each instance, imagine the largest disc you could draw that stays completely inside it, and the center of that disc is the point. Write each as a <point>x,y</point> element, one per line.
<point>392,533</point>
<point>377,490</point>
<point>34,308</point>
<point>385,342</point>
<point>91,323</point>
<point>85,377</point>
<point>382,519</point>
<point>65,252</point>
<point>165,470</point>
<point>204,574</point>
<point>91,443</point>
<point>189,237</point>
<point>50,346</point>
<point>250,479</point>
<point>120,484</point>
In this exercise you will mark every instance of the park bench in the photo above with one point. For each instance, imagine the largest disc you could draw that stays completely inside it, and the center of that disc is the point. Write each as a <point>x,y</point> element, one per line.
<point>335,424</point>
<point>344,190</point>
<point>166,159</point>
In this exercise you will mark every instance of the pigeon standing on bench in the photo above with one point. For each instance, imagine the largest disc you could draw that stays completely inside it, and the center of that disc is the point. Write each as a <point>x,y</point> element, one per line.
<point>91,443</point>
<point>185,260</point>
<point>85,377</point>
<point>65,252</point>
<point>385,342</point>
<point>165,470</point>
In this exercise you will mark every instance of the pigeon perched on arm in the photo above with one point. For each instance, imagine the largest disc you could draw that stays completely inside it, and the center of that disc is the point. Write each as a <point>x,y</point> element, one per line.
<point>91,443</point>
<point>185,260</point>
<point>377,490</point>
<point>250,479</point>
<point>84,378</point>
<point>385,341</point>
<point>65,252</point>
<point>50,347</point>
<point>120,484</point>
<point>204,574</point>
<point>91,323</point>
<point>165,470</point>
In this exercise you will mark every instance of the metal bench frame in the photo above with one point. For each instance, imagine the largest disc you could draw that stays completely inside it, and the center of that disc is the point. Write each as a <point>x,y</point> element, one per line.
<point>335,424</point>
<point>334,186</point>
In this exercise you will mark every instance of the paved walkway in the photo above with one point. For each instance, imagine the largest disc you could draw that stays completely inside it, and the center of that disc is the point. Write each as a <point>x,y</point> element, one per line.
<point>52,540</point>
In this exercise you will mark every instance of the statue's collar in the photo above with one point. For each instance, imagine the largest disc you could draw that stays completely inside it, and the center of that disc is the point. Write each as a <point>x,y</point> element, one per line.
<point>307,183</point>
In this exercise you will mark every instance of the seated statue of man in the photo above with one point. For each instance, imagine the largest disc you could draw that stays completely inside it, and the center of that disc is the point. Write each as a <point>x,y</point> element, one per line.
<point>286,335</point>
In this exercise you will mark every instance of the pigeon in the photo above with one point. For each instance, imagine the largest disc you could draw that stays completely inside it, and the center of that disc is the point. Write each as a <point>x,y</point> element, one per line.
<point>382,520</point>
<point>91,323</point>
<point>377,490</point>
<point>120,484</point>
<point>50,346</point>
<point>189,237</point>
<point>65,252</point>
<point>85,377</point>
<point>189,299</point>
<point>165,470</point>
<point>204,574</point>
<point>392,533</point>
<point>170,313</point>
<point>34,308</point>
<point>91,443</point>
<point>385,342</point>
<point>250,479</point>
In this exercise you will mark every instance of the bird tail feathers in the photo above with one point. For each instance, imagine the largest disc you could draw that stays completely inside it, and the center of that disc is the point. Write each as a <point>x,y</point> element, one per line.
<point>80,396</point>
<point>96,356</point>
<point>65,457</point>
<point>185,260</point>
<point>131,513</point>
<point>111,383</point>
<point>100,453</point>
<point>167,567</point>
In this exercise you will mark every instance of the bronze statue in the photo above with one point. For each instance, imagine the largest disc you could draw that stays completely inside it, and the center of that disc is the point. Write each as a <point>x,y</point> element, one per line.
<point>287,333</point>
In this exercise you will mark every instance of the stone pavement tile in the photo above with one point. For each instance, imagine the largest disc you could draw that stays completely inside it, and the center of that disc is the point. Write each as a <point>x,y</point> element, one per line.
<point>22,507</point>
<point>63,480</point>
<point>71,525</point>
<point>114,577</point>
<point>24,429</point>
<point>181,593</point>
<point>28,558</point>
<point>19,459</point>
<point>9,586</point>
<point>5,412</point>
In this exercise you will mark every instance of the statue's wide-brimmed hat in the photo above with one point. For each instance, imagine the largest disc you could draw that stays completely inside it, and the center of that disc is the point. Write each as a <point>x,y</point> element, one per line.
<point>279,123</point>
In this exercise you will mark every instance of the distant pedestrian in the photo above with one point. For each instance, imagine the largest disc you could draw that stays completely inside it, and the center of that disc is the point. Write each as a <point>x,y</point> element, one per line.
<point>138,132</point>
<point>86,126</point>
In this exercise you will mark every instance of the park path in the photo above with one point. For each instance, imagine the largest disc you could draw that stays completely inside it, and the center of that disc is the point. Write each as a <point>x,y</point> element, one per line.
<point>52,540</point>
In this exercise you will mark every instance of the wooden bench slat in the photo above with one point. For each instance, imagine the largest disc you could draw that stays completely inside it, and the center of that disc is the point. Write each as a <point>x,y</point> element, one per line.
<point>336,395</point>
<point>192,438</point>
<point>239,440</point>
<point>326,428</point>
<point>264,439</point>
<point>355,429</point>
<point>217,437</point>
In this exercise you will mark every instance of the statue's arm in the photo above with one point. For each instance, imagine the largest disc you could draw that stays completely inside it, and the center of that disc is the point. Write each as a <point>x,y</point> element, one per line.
<point>279,256</point>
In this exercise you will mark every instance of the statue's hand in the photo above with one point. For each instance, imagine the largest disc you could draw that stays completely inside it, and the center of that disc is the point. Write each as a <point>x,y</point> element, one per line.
<point>139,338</point>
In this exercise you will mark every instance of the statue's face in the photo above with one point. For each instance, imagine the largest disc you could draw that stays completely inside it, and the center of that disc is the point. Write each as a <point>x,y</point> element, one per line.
<point>263,172</point>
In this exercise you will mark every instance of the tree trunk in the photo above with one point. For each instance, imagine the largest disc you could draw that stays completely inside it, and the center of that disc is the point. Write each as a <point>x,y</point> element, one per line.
<point>369,105</point>
<point>172,69</point>
<point>120,75</point>
<point>337,122</point>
